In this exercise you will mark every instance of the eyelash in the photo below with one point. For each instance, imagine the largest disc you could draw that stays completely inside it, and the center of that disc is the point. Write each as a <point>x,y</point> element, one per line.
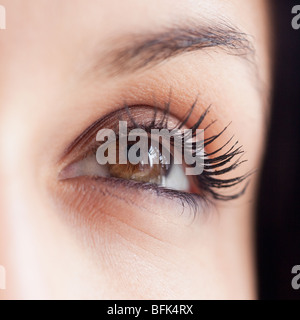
<point>206,181</point>
<point>210,182</point>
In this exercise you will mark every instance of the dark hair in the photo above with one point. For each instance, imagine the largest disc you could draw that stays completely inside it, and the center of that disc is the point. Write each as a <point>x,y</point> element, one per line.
<point>278,206</point>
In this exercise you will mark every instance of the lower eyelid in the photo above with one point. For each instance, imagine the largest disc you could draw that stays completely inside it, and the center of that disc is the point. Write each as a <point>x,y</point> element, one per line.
<point>102,217</point>
<point>87,196</point>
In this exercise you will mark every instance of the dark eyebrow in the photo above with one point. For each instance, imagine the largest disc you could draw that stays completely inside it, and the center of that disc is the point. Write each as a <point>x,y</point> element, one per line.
<point>137,51</point>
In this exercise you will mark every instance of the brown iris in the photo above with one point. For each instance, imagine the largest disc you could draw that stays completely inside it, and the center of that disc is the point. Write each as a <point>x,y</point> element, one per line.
<point>143,172</point>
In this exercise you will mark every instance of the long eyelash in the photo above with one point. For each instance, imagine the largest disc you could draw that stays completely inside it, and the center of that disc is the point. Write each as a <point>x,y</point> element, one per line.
<point>215,166</point>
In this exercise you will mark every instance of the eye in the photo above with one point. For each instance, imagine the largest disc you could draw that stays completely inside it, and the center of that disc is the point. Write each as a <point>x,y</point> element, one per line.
<point>214,180</point>
<point>158,170</point>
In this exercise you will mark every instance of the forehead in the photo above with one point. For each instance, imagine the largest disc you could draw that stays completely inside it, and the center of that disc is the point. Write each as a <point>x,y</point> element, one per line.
<point>77,28</point>
<point>106,17</point>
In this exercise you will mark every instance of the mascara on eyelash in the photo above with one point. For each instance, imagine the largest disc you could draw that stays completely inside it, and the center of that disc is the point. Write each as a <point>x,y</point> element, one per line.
<point>211,183</point>
<point>214,165</point>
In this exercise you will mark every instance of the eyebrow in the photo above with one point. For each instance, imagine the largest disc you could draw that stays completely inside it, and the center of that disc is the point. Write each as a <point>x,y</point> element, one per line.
<point>145,50</point>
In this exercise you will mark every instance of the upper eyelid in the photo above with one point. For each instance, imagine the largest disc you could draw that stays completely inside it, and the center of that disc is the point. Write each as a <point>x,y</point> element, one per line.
<point>89,134</point>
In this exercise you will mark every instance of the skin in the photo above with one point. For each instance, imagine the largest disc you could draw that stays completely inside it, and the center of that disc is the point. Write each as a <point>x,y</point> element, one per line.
<point>86,239</point>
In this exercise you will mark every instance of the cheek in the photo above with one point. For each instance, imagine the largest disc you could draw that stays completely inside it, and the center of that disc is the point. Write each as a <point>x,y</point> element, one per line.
<point>150,247</point>
<point>153,249</point>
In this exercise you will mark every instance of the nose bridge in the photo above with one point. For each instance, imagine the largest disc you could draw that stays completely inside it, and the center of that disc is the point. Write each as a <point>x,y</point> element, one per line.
<point>18,250</point>
<point>29,251</point>
<point>33,239</point>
